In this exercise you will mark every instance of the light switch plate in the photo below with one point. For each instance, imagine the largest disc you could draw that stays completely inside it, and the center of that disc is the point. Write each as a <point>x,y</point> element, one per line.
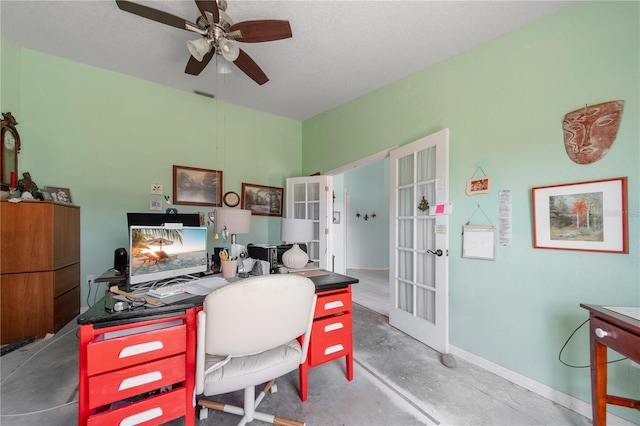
<point>156,189</point>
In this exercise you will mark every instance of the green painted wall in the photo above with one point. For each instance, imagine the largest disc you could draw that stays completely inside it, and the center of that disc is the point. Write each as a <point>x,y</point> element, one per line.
<point>108,137</point>
<point>504,103</point>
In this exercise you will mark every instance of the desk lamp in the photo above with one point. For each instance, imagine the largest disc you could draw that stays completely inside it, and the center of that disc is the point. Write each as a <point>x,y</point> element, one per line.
<point>231,222</point>
<point>296,231</point>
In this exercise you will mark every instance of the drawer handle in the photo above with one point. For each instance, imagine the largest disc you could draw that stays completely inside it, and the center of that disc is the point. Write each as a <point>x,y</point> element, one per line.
<point>333,349</point>
<point>334,326</point>
<point>601,333</point>
<point>333,305</point>
<point>145,416</point>
<point>140,349</point>
<point>140,380</point>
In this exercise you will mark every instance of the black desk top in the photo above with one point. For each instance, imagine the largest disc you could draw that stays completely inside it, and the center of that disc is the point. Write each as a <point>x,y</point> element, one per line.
<point>100,316</point>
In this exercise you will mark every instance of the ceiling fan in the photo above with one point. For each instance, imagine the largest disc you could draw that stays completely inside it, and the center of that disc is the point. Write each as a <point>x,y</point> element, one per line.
<point>218,35</point>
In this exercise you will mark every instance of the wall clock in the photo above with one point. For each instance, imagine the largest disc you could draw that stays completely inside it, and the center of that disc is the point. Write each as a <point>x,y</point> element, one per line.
<point>231,199</point>
<point>9,148</point>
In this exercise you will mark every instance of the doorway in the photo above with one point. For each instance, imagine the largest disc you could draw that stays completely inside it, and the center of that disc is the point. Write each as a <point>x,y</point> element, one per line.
<point>360,228</point>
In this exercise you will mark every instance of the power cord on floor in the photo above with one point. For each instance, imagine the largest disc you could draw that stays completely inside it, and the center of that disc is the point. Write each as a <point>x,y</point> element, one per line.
<point>40,411</point>
<point>580,366</point>
<point>40,350</point>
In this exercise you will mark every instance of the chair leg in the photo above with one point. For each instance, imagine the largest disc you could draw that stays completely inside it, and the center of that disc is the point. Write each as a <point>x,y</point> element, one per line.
<point>250,404</point>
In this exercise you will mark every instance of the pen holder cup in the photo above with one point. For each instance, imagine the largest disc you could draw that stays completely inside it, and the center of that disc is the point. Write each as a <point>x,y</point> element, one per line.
<point>229,268</point>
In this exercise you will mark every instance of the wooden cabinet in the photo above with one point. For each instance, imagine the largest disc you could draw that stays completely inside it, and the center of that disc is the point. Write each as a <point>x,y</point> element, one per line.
<point>331,334</point>
<point>39,268</point>
<point>138,372</point>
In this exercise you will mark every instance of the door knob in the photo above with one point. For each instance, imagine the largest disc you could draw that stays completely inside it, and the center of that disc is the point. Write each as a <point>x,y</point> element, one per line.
<point>600,333</point>
<point>437,252</point>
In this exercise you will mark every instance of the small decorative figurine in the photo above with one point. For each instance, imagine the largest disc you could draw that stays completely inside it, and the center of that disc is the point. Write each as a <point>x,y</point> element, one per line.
<point>26,184</point>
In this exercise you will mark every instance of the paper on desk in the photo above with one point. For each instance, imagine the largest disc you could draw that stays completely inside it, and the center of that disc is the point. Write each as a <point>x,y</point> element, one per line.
<point>204,286</point>
<point>630,312</point>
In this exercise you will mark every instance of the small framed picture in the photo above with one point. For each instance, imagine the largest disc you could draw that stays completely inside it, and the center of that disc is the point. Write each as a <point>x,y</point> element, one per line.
<point>61,195</point>
<point>587,216</point>
<point>155,205</point>
<point>336,218</point>
<point>46,196</point>
<point>262,200</point>
<point>481,185</point>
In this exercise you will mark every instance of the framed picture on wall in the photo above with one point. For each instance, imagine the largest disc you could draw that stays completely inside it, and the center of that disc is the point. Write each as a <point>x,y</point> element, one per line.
<point>262,200</point>
<point>586,216</point>
<point>197,187</point>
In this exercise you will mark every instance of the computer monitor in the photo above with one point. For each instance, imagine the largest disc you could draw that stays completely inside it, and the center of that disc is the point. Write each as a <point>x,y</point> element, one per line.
<point>158,252</point>
<point>158,219</point>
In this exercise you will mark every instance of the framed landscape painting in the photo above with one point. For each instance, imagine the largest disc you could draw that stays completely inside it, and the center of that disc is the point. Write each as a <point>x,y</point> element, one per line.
<point>262,200</point>
<point>587,216</point>
<point>197,187</point>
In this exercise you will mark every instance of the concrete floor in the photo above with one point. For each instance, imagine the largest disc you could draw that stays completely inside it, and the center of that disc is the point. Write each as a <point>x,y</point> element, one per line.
<point>398,381</point>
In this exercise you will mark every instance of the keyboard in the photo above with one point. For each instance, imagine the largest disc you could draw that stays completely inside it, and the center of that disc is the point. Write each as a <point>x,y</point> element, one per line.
<point>201,286</point>
<point>168,290</point>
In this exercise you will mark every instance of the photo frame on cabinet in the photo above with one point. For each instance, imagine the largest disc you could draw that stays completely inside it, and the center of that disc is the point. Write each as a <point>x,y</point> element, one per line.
<point>197,187</point>
<point>262,200</point>
<point>61,195</point>
<point>585,216</point>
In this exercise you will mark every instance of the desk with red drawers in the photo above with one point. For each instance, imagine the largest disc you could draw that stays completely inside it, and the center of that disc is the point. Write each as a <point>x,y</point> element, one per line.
<point>139,366</point>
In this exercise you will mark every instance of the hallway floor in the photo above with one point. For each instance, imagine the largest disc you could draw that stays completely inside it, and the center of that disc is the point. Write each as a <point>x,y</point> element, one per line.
<point>398,381</point>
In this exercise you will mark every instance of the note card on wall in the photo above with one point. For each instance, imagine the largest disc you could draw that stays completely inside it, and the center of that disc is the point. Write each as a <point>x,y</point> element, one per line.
<point>479,242</point>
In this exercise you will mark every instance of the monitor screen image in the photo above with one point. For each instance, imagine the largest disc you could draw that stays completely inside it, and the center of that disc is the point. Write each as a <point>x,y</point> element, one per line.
<point>157,253</point>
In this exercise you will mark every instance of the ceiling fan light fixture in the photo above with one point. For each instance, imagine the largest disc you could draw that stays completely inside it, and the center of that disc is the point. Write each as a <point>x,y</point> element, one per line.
<point>198,48</point>
<point>222,66</point>
<point>229,49</point>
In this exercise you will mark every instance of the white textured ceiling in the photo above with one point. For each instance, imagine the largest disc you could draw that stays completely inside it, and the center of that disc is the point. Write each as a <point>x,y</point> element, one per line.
<point>340,50</point>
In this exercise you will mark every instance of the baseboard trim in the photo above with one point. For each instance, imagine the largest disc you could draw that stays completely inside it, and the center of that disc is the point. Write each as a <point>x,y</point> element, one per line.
<point>572,403</point>
<point>367,269</point>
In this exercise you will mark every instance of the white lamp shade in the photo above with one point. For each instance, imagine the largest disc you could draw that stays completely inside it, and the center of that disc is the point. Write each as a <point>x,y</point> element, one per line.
<point>229,48</point>
<point>237,221</point>
<point>222,66</point>
<point>198,48</point>
<point>296,230</point>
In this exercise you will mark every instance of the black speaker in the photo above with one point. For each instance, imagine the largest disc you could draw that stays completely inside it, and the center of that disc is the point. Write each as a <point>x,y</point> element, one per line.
<point>120,260</point>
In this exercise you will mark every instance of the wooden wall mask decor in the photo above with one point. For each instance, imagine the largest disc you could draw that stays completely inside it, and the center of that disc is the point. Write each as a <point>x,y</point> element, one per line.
<point>590,131</point>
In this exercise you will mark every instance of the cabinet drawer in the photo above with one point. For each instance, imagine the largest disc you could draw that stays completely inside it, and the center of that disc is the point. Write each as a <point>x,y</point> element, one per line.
<point>155,410</point>
<point>119,352</point>
<point>328,327</point>
<point>65,279</point>
<point>329,346</point>
<point>132,381</point>
<point>332,304</point>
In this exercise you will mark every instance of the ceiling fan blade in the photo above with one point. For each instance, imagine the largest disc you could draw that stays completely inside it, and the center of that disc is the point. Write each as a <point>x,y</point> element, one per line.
<point>153,14</point>
<point>209,6</point>
<point>250,68</point>
<point>195,67</point>
<point>263,30</point>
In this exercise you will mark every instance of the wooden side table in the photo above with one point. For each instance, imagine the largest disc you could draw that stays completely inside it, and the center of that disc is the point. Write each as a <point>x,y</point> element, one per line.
<point>622,334</point>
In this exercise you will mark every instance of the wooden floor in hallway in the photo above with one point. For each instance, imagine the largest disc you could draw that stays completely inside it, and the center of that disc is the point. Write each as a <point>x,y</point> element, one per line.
<point>373,289</point>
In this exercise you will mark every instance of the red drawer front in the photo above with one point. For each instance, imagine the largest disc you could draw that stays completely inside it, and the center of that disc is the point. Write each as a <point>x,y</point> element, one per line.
<point>333,304</point>
<point>151,411</point>
<point>132,381</point>
<point>125,351</point>
<point>330,339</point>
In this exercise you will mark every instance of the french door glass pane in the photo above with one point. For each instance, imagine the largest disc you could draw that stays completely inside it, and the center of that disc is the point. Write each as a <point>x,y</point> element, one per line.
<point>425,264</point>
<point>405,265</point>
<point>405,202</point>
<point>405,297</point>
<point>426,304</point>
<point>425,234</point>
<point>405,233</point>
<point>314,192</point>
<point>299,192</point>
<point>426,166</point>
<point>405,170</point>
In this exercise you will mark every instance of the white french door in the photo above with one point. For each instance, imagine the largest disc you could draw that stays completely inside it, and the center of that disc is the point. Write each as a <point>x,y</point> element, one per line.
<point>311,197</point>
<point>419,258</point>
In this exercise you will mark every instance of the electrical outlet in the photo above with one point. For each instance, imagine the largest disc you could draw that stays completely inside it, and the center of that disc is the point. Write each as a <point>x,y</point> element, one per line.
<point>90,279</point>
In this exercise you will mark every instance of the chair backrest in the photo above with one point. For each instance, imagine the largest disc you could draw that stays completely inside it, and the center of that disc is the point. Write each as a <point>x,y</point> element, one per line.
<point>257,314</point>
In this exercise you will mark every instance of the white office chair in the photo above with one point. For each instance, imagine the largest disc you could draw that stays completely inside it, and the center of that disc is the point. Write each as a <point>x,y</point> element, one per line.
<point>247,335</point>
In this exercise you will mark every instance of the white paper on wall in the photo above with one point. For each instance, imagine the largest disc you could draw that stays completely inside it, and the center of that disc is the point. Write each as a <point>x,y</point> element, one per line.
<point>504,217</point>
